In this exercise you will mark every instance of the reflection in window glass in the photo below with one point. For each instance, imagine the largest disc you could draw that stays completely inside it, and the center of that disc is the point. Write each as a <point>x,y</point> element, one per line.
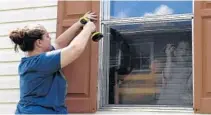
<point>151,64</point>
<point>123,9</point>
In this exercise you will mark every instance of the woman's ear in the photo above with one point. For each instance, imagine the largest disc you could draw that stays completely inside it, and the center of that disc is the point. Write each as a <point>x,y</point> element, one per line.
<point>38,43</point>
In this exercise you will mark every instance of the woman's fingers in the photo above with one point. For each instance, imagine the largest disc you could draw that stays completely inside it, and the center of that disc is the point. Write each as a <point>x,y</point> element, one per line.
<point>94,17</point>
<point>91,16</point>
<point>88,12</point>
<point>92,13</point>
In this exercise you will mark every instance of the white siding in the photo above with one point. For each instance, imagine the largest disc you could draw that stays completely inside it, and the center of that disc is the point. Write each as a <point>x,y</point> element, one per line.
<point>17,14</point>
<point>7,44</point>
<point>6,27</point>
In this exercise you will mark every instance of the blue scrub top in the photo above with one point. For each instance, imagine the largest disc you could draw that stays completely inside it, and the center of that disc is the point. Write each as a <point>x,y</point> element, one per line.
<point>42,85</point>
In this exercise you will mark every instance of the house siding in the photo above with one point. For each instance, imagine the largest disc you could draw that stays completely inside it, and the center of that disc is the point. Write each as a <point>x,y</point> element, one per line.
<point>17,14</point>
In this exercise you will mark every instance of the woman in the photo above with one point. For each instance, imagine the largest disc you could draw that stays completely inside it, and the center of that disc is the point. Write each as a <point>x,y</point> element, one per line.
<point>177,76</point>
<point>42,86</point>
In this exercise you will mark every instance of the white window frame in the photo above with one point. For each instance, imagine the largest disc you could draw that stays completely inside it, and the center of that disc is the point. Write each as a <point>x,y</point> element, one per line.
<point>103,70</point>
<point>151,44</point>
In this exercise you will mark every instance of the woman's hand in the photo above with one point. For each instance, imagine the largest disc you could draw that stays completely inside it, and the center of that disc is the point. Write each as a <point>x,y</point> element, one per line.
<point>91,16</point>
<point>90,26</point>
<point>169,50</point>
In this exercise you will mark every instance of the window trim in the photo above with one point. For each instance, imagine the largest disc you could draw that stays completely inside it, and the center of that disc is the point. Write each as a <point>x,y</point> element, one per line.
<point>103,70</point>
<point>103,62</point>
<point>151,57</point>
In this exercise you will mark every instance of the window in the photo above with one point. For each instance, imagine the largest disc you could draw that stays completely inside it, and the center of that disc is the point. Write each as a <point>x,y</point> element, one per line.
<point>147,57</point>
<point>125,9</point>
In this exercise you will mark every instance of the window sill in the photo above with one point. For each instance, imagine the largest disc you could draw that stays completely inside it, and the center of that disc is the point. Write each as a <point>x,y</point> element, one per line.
<point>148,110</point>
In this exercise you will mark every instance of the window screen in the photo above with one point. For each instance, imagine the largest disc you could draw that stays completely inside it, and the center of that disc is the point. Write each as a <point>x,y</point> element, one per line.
<point>151,63</point>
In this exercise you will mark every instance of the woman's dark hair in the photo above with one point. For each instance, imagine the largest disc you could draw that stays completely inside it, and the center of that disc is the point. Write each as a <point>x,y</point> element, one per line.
<point>26,37</point>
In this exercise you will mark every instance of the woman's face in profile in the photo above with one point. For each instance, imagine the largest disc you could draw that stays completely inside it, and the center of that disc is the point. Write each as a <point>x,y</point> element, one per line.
<point>45,42</point>
<point>182,50</point>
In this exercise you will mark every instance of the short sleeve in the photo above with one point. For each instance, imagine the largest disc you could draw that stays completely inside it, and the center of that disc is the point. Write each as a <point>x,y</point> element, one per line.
<point>52,48</point>
<point>49,62</point>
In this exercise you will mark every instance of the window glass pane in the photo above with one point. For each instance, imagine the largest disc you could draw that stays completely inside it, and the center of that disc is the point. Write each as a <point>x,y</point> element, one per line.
<point>151,63</point>
<point>123,9</point>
